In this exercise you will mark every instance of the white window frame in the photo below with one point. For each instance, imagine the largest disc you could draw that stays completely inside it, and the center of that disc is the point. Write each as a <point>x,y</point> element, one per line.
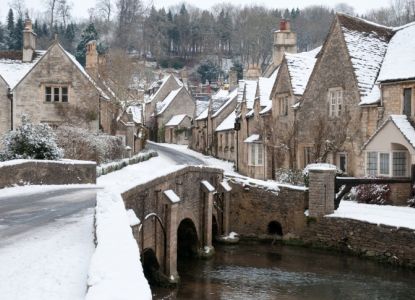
<point>256,154</point>
<point>335,101</point>
<point>391,168</point>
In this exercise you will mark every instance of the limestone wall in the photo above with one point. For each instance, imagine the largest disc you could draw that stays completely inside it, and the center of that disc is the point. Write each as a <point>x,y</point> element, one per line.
<point>253,208</point>
<point>386,243</point>
<point>38,172</point>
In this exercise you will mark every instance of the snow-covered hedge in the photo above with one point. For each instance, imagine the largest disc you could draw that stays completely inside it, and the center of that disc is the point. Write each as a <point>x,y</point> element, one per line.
<point>82,144</point>
<point>30,141</point>
<point>118,165</point>
<point>373,194</point>
<point>288,176</point>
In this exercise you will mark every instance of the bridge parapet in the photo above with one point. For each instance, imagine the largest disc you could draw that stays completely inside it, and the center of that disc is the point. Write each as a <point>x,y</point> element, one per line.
<point>187,194</point>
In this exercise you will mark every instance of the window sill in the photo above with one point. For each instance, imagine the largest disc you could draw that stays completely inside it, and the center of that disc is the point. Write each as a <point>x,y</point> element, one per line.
<point>54,102</point>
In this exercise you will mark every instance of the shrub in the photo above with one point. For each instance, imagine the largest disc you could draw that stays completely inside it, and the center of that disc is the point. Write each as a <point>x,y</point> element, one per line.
<point>288,176</point>
<point>30,141</point>
<point>82,144</point>
<point>373,194</point>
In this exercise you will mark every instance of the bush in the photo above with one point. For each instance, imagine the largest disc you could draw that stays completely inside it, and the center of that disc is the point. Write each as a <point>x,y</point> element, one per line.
<point>373,194</point>
<point>288,176</point>
<point>82,144</point>
<point>30,141</point>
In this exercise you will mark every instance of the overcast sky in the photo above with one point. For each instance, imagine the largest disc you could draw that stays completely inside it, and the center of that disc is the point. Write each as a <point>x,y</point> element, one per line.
<point>80,7</point>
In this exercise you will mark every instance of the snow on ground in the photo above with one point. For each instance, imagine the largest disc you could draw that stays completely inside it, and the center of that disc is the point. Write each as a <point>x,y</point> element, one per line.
<point>377,214</point>
<point>33,189</point>
<point>49,263</point>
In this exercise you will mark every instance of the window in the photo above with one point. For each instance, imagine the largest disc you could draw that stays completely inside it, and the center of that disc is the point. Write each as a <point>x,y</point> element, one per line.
<point>381,164</point>
<point>407,102</point>
<point>384,163</point>
<point>399,164</point>
<point>256,154</point>
<point>283,106</point>
<point>56,94</point>
<point>335,102</point>
<point>342,161</point>
<point>372,163</point>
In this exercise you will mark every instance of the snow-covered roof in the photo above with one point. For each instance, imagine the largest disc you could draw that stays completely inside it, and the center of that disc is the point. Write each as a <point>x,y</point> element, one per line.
<point>201,106</point>
<point>162,83</point>
<point>267,108</point>
<point>367,44</point>
<point>250,113</point>
<point>228,123</point>
<point>203,115</point>
<point>300,66</point>
<point>162,106</point>
<point>252,138</point>
<point>401,121</point>
<point>228,99</point>
<point>265,88</point>
<point>250,89</point>
<point>137,113</point>
<point>176,120</point>
<point>404,126</point>
<point>399,63</point>
<point>13,70</point>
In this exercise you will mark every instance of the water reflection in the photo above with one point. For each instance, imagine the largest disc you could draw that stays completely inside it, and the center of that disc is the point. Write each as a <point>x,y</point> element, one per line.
<point>262,272</point>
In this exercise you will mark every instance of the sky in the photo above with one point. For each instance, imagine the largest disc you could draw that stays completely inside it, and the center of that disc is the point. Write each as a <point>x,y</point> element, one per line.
<point>80,7</point>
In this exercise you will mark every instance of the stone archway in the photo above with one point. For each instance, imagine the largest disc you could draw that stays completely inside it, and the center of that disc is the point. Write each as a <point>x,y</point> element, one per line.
<point>274,228</point>
<point>187,239</point>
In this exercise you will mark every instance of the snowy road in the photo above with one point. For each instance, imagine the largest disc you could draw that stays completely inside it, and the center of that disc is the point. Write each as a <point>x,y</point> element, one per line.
<point>175,155</point>
<point>46,241</point>
<point>24,210</point>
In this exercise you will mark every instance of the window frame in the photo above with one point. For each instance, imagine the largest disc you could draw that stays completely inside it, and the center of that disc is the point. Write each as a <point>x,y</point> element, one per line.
<point>335,97</point>
<point>346,164</point>
<point>56,93</point>
<point>256,154</point>
<point>391,168</point>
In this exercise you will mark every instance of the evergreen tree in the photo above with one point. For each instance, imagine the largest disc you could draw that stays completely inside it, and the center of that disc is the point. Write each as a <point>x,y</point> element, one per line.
<point>10,41</point>
<point>89,34</point>
<point>3,45</point>
<point>18,34</point>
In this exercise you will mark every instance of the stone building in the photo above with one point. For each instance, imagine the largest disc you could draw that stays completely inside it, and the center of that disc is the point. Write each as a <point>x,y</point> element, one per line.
<point>178,130</point>
<point>337,108</point>
<point>52,87</point>
<point>170,99</point>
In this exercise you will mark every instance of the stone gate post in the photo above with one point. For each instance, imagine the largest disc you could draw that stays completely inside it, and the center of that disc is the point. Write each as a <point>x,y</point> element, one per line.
<point>321,191</point>
<point>171,236</point>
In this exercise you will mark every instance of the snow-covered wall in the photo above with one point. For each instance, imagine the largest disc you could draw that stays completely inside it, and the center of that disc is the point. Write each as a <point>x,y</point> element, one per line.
<point>41,172</point>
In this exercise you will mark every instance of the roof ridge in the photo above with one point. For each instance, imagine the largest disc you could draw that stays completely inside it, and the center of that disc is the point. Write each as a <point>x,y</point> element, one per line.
<point>374,24</point>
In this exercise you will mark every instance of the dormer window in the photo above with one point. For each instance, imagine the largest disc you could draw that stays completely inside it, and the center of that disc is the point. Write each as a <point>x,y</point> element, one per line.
<point>56,94</point>
<point>335,97</point>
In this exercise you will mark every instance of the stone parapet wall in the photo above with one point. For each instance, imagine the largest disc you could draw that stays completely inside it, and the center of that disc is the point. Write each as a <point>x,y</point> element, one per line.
<point>41,172</point>
<point>253,208</point>
<point>385,243</point>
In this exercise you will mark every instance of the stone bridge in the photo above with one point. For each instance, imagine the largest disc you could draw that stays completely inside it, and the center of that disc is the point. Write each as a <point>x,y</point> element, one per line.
<point>179,212</point>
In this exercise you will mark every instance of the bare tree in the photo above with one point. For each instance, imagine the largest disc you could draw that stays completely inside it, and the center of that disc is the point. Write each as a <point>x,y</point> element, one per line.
<point>345,8</point>
<point>105,9</point>
<point>64,11</point>
<point>19,6</point>
<point>51,6</point>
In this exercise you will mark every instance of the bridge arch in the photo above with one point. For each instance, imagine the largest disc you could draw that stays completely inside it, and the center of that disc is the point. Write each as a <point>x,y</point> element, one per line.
<point>150,265</point>
<point>275,228</point>
<point>187,239</point>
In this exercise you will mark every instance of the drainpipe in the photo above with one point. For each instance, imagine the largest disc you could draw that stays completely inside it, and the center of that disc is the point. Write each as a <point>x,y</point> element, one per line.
<point>10,96</point>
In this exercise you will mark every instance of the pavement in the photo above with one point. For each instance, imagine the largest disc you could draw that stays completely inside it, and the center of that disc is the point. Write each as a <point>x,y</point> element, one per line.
<point>27,211</point>
<point>175,155</point>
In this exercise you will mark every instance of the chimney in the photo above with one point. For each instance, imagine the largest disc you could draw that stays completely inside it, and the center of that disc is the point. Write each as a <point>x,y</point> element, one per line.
<point>91,63</point>
<point>284,41</point>
<point>253,72</point>
<point>233,79</point>
<point>29,41</point>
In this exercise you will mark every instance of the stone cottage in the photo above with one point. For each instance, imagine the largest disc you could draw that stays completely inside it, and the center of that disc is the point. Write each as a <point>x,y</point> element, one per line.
<point>170,99</point>
<point>178,130</point>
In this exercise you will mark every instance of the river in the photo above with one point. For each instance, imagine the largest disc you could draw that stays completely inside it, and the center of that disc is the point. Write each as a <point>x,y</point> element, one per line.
<point>262,272</point>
